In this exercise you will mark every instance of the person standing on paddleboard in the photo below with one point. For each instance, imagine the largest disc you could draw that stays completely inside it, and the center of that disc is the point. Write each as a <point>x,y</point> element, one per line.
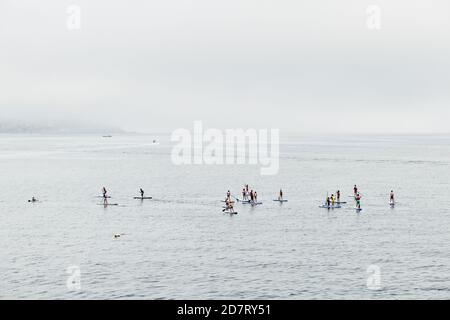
<point>392,197</point>
<point>280,197</point>
<point>141,192</point>
<point>358,201</point>
<point>105,197</point>
<point>338,196</point>
<point>355,190</point>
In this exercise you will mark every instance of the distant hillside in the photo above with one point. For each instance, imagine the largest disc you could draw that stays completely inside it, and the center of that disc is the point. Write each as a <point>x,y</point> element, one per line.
<point>54,128</point>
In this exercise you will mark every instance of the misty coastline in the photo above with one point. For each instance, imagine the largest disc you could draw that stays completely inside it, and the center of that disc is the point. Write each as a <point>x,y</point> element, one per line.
<point>28,127</point>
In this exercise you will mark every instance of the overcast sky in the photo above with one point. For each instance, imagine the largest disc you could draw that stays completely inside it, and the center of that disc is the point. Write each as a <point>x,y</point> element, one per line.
<point>311,65</point>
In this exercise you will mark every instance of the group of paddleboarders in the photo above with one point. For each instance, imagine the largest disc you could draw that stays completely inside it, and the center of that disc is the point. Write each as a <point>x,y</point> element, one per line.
<point>332,201</point>
<point>105,195</point>
<point>249,196</point>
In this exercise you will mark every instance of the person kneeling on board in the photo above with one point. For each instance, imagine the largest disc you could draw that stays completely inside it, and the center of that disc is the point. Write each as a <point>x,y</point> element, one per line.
<point>229,205</point>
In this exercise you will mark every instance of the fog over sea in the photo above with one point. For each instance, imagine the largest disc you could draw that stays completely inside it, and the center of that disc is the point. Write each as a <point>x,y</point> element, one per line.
<point>180,245</point>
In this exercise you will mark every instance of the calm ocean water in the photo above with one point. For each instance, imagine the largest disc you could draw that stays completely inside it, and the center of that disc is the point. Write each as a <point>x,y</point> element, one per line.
<point>180,245</point>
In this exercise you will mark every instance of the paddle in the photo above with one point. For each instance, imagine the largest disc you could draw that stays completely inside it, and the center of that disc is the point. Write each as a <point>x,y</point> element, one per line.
<point>236,198</point>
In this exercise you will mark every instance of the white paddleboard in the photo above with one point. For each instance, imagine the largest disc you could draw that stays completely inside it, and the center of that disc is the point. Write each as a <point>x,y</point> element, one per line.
<point>229,212</point>
<point>143,198</point>
<point>329,207</point>
<point>280,200</point>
